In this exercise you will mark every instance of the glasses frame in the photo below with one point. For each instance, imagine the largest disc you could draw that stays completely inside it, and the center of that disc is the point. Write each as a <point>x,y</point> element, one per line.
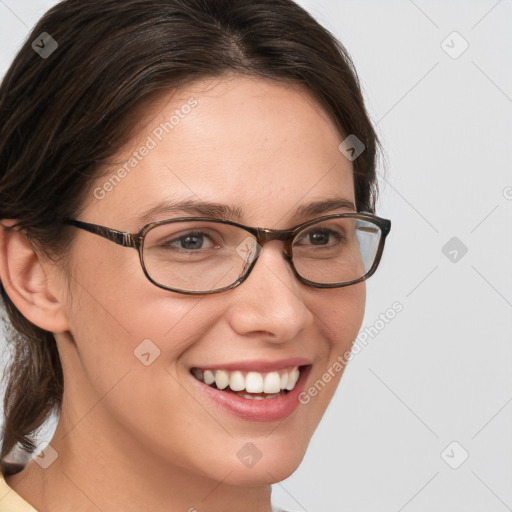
<point>262,236</point>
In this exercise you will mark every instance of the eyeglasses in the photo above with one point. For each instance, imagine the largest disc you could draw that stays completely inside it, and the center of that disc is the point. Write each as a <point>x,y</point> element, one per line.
<point>197,255</point>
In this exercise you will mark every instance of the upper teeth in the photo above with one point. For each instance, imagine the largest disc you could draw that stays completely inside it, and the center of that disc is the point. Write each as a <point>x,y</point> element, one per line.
<point>252,382</point>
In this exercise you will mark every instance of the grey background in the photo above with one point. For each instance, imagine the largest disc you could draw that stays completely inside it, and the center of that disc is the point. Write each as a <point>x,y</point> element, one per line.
<point>440,371</point>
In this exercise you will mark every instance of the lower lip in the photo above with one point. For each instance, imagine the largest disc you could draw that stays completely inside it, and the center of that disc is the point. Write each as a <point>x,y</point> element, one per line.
<point>266,410</point>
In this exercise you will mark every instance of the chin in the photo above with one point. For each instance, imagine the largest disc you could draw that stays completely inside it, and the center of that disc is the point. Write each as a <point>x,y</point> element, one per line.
<point>267,464</point>
<point>262,473</point>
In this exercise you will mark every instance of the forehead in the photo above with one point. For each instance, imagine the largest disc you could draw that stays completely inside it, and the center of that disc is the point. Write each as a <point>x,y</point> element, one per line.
<point>262,147</point>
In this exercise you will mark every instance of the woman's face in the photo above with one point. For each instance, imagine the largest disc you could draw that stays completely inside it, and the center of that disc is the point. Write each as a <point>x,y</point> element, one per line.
<point>266,150</point>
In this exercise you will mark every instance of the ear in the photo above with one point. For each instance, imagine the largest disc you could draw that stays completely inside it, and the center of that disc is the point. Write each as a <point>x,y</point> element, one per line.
<point>30,280</point>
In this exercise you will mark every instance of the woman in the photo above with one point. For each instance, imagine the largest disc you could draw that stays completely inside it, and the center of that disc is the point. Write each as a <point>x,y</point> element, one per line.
<point>191,372</point>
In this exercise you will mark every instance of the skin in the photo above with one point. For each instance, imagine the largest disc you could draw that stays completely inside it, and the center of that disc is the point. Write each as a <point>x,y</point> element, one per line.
<point>132,437</point>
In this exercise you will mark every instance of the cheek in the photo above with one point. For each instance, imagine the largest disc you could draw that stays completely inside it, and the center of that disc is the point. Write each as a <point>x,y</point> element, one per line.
<point>122,327</point>
<point>126,361</point>
<point>117,327</point>
<point>340,314</point>
<point>113,300</point>
<point>339,317</point>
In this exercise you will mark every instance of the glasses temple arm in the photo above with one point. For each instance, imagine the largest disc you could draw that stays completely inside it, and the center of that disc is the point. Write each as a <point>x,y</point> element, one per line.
<point>118,237</point>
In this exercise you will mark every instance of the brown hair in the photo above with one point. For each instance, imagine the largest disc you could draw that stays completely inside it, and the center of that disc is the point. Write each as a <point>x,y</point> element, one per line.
<point>63,116</point>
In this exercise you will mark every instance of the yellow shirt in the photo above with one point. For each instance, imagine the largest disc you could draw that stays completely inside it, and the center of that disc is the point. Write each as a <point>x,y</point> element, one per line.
<point>10,500</point>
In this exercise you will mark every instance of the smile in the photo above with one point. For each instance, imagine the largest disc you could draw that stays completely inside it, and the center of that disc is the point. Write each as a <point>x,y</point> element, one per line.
<point>250,384</point>
<point>255,390</point>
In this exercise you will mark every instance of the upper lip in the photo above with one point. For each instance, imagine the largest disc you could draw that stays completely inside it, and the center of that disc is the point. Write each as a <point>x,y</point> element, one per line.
<point>258,365</point>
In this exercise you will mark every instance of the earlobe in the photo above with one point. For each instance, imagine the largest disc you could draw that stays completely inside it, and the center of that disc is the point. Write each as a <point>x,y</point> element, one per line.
<point>30,281</point>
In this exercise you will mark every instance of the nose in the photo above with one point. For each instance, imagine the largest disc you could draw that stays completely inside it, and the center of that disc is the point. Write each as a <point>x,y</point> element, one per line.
<point>270,302</point>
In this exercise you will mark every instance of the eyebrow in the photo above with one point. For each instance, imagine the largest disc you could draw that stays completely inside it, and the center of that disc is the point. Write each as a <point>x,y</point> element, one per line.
<point>234,213</point>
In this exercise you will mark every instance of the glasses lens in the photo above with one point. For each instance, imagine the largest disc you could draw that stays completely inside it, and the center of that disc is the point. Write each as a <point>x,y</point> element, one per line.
<point>338,250</point>
<point>197,256</point>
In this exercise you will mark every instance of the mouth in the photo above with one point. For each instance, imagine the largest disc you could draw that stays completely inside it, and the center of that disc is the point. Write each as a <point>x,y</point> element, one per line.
<point>250,385</point>
<point>262,396</point>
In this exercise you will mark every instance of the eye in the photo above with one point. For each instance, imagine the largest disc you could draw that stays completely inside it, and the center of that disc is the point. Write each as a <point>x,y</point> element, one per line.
<point>191,241</point>
<point>320,237</point>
